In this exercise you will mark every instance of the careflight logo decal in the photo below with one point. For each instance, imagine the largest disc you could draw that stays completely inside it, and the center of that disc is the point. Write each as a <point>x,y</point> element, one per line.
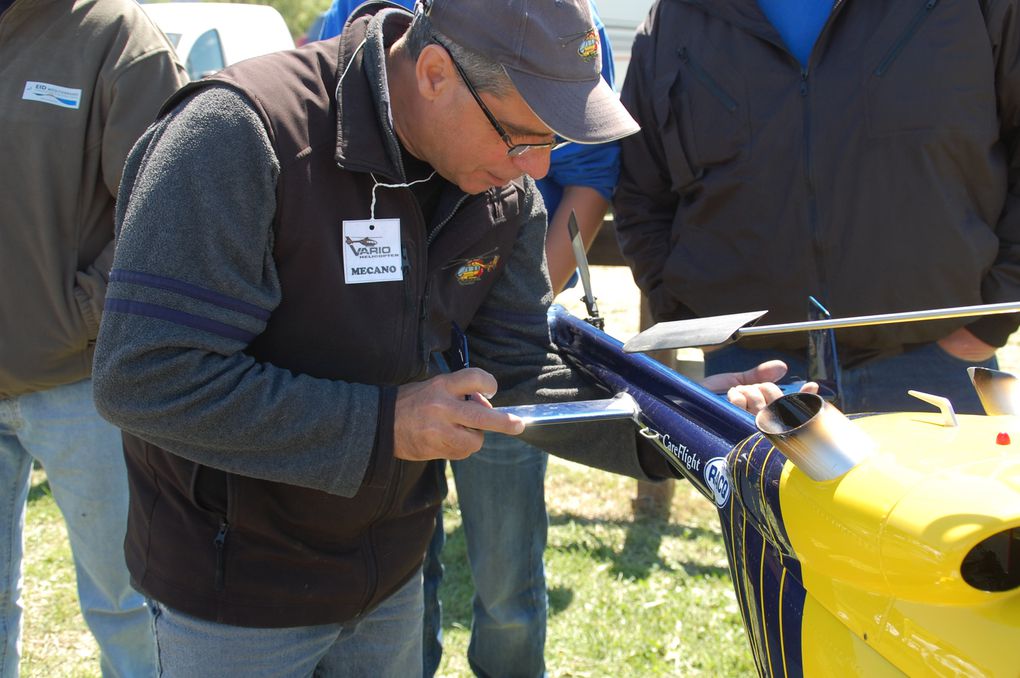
<point>470,271</point>
<point>682,453</point>
<point>717,477</point>
<point>589,49</point>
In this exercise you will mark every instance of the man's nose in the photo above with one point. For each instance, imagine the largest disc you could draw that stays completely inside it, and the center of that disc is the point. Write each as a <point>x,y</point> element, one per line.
<point>534,163</point>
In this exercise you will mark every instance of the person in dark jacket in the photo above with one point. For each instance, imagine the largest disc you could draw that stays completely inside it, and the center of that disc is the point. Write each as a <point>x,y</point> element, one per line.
<point>501,489</point>
<point>325,259</point>
<point>864,153</point>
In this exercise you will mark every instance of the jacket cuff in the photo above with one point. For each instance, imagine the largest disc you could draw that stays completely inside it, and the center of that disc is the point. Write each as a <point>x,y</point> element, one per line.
<point>382,462</point>
<point>994,330</point>
<point>663,308</point>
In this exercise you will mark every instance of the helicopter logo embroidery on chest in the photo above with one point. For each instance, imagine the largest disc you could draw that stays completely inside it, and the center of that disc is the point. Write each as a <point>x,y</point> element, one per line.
<point>472,270</point>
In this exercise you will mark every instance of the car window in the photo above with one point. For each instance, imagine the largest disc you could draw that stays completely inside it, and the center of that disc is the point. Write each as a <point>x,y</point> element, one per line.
<point>174,38</point>
<point>206,55</point>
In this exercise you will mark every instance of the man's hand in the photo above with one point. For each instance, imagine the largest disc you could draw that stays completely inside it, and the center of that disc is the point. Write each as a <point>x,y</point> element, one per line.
<point>965,346</point>
<point>753,390</point>
<point>444,417</point>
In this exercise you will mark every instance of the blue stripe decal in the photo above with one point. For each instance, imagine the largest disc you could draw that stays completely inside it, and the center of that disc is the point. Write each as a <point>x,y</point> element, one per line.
<point>189,290</point>
<point>179,318</point>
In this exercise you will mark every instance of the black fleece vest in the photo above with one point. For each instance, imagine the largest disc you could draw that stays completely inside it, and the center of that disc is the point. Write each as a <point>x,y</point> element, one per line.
<point>255,553</point>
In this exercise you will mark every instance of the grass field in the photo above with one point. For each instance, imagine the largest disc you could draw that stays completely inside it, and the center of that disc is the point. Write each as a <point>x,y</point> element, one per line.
<point>626,598</point>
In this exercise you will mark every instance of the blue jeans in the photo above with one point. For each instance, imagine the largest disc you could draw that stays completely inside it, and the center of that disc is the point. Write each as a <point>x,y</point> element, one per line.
<point>385,643</point>
<point>84,464</point>
<point>879,385</point>
<point>501,494</point>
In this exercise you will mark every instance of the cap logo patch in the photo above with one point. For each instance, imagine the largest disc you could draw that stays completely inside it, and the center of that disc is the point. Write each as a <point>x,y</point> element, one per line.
<point>589,49</point>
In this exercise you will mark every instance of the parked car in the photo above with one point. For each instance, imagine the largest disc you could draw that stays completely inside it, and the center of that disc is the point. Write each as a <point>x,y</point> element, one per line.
<point>211,35</point>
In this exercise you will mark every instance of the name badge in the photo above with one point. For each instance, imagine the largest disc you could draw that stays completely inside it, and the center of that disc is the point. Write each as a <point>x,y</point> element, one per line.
<point>43,92</point>
<point>372,251</point>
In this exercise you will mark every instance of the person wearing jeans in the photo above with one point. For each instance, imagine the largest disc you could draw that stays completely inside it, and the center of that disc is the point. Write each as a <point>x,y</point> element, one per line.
<point>82,80</point>
<point>385,643</point>
<point>505,528</point>
<point>501,489</point>
<point>80,451</point>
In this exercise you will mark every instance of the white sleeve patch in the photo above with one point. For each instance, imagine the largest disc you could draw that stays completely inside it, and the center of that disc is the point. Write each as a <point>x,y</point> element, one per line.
<point>43,92</point>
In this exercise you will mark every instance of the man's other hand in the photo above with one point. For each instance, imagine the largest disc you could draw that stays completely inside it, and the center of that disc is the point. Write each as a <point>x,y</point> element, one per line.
<point>446,416</point>
<point>963,345</point>
<point>753,389</point>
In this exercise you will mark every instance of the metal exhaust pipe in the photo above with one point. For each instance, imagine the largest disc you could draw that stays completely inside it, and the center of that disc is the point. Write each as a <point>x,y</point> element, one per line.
<point>814,435</point>
<point>999,391</point>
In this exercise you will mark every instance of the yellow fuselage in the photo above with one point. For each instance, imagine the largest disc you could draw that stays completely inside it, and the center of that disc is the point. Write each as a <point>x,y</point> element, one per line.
<point>881,548</point>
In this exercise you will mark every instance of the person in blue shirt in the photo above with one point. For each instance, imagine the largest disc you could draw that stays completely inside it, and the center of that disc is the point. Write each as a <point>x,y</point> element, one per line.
<point>809,147</point>
<point>501,489</point>
<point>336,16</point>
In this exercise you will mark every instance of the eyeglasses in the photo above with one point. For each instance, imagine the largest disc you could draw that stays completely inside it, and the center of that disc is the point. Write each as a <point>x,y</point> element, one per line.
<point>513,150</point>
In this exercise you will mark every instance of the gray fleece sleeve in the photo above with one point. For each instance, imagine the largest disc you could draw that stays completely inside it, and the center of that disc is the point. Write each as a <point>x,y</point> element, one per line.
<point>193,282</point>
<point>510,339</point>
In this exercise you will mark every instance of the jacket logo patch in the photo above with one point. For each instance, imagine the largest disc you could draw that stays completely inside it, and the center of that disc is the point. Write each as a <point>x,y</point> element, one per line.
<point>45,93</point>
<point>470,271</point>
<point>589,49</point>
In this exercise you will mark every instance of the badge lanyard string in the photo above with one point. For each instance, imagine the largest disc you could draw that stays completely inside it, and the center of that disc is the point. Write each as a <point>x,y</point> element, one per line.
<point>379,184</point>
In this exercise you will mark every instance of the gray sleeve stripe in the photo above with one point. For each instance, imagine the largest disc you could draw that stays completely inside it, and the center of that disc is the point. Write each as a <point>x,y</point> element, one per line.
<point>187,289</point>
<point>179,318</point>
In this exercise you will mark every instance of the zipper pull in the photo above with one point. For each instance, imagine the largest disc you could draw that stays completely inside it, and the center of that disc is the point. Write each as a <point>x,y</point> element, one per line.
<point>218,542</point>
<point>803,83</point>
<point>423,313</point>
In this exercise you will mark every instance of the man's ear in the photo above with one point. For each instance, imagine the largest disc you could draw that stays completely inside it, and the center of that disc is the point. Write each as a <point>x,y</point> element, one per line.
<point>434,73</point>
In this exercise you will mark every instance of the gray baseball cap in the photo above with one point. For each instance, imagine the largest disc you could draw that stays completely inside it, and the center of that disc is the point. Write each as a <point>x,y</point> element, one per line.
<point>551,52</point>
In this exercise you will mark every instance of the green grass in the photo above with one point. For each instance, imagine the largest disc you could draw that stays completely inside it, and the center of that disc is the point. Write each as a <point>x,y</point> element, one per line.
<point>55,641</point>
<point>626,598</point>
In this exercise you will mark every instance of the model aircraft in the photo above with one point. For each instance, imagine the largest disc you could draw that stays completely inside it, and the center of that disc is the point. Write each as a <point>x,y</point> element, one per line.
<point>877,545</point>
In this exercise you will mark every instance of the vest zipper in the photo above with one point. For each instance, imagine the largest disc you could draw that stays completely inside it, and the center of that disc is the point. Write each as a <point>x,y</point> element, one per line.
<point>423,351</point>
<point>384,507</point>
<point>411,313</point>
<point>922,13</point>
<point>707,80</point>
<point>219,542</point>
<point>422,316</point>
<point>435,231</point>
